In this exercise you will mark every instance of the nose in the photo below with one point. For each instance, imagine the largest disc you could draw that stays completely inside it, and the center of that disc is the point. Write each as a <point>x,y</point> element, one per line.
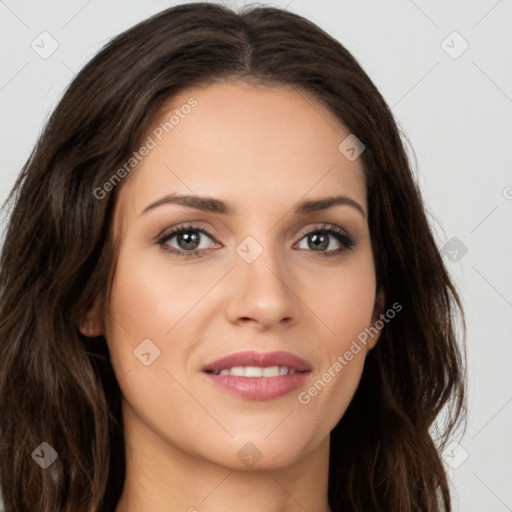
<point>262,292</point>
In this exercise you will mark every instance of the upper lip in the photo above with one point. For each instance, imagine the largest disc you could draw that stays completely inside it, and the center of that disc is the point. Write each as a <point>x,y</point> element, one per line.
<point>259,359</point>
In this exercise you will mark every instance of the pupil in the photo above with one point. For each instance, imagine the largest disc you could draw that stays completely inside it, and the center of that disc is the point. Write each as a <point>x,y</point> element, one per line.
<point>188,239</point>
<point>321,244</point>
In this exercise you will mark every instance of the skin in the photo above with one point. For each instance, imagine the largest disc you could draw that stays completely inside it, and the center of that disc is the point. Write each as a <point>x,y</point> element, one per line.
<point>263,149</point>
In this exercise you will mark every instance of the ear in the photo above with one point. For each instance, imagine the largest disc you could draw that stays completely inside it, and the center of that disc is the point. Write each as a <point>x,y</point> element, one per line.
<point>377,323</point>
<point>92,325</point>
<point>380,304</point>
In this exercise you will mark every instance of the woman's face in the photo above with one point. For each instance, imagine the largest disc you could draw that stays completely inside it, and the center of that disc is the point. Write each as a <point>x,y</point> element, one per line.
<point>258,285</point>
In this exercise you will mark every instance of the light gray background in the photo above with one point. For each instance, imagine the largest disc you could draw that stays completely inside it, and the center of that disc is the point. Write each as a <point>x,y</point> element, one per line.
<point>457,113</point>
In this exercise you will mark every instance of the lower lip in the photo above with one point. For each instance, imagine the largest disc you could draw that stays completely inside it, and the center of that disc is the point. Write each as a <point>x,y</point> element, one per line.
<point>259,388</point>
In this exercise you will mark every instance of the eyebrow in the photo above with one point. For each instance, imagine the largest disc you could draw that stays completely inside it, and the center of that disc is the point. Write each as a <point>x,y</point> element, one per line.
<point>217,206</point>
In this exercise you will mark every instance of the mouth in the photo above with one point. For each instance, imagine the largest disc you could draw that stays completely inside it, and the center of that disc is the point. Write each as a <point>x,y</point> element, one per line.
<point>258,376</point>
<point>256,371</point>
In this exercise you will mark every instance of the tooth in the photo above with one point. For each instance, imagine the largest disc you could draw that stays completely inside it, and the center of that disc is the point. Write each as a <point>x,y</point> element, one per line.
<point>271,371</point>
<point>256,371</point>
<point>253,371</point>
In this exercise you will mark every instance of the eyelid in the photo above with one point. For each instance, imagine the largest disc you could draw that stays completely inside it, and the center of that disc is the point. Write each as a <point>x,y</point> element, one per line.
<point>343,237</point>
<point>172,232</point>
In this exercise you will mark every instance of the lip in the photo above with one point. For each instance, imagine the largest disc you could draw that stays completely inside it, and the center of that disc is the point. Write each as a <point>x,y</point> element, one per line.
<point>259,359</point>
<point>259,388</point>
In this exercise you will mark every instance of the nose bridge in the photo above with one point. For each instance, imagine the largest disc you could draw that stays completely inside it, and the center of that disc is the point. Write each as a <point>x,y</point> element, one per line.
<point>260,288</point>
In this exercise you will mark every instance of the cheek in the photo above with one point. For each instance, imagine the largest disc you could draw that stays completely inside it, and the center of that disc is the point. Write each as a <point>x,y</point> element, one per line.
<point>343,301</point>
<point>154,300</point>
<point>148,301</point>
<point>149,297</point>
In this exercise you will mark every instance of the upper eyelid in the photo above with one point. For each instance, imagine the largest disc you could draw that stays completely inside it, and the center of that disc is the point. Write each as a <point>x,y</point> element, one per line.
<point>172,232</point>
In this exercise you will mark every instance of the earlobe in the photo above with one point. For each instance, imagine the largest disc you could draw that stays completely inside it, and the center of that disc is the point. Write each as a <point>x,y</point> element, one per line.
<point>380,303</point>
<point>377,323</point>
<point>92,325</point>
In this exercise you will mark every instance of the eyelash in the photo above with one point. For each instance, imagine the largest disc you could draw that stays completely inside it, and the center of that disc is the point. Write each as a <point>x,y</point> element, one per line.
<point>346,241</point>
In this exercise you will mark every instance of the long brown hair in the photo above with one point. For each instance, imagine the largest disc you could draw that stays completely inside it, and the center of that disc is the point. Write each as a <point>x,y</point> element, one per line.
<point>57,386</point>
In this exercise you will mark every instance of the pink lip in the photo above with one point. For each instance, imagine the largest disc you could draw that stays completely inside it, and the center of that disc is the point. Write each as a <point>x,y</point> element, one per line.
<point>259,388</point>
<point>259,359</point>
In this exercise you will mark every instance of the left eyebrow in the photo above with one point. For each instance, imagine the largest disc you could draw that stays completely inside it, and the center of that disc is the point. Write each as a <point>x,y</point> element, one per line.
<point>218,206</point>
<point>328,202</point>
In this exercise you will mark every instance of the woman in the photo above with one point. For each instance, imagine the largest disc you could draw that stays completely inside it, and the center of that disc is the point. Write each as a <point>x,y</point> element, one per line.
<point>220,290</point>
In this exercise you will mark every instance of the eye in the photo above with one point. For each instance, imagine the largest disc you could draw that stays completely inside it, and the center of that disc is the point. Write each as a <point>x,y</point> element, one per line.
<point>319,239</point>
<point>189,240</point>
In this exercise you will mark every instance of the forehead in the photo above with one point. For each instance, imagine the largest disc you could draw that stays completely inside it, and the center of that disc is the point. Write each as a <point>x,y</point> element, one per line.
<point>251,145</point>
